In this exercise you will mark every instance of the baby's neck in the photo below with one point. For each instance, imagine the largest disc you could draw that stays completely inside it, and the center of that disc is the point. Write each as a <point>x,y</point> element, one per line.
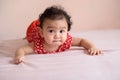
<point>50,48</point>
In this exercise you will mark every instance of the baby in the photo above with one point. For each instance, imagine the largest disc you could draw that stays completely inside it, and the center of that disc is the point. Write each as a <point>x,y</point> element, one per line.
<point>49,34</point>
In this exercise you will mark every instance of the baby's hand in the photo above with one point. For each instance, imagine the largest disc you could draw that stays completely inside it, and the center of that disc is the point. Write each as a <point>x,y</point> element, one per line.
<point>94,51</point>
<point>18,60</point>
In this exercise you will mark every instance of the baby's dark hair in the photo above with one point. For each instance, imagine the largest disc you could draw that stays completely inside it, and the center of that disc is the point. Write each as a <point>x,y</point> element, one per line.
<point>55,13</point>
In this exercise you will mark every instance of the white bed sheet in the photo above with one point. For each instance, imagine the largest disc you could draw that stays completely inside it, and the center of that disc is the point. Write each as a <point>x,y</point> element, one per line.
<point>73,64</point>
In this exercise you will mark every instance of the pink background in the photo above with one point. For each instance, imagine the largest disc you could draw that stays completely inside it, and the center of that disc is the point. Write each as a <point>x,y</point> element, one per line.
<point>16,15</point>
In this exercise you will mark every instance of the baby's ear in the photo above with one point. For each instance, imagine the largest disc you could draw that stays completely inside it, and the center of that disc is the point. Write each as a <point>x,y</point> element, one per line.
<point>41,32</point>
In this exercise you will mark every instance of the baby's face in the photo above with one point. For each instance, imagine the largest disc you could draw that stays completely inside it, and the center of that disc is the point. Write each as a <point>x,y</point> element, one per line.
<point>54,32</point>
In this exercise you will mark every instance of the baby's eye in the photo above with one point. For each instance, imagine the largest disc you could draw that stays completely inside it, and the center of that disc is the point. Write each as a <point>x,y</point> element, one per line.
<point>61,31</point>
<point>51,31</point>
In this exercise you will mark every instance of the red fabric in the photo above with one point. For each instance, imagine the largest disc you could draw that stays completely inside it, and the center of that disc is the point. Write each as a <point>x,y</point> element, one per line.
<point>32,31</point>
<point>33,35</point>
<point>39,48</point>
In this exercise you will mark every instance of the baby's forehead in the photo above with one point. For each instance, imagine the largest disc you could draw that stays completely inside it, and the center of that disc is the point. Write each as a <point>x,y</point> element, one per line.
<point>54,23</point>
<point>56,27</point>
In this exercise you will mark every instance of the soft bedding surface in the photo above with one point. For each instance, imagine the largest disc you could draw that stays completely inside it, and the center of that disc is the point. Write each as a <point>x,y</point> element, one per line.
<point>73,64</point>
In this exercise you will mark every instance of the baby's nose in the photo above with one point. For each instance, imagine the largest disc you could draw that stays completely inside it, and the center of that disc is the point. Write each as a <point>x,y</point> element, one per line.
<point>57,35</point>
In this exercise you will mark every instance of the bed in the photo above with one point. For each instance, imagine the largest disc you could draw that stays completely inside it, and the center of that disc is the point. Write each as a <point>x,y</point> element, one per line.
<point>73,64</point>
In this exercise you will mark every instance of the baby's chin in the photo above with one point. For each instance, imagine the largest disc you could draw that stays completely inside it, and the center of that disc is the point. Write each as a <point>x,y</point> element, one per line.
<point>57,43</point>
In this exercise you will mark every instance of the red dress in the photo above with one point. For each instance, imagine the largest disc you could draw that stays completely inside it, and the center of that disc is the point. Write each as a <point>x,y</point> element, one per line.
<point>33,35</point>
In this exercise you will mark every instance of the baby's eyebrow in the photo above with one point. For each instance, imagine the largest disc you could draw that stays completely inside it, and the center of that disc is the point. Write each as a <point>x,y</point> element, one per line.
<point>63,27</point>
<point>50,27</point>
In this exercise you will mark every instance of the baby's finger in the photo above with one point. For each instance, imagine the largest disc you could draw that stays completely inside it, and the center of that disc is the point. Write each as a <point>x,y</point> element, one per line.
<point>91,52</point>
<point>99,52</point>
<point>19,60</point>
<point>94,52</point>
<point>16,61</point>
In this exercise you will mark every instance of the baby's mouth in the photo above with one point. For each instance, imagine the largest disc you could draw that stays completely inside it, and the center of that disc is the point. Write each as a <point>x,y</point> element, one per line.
<point>56,40</point>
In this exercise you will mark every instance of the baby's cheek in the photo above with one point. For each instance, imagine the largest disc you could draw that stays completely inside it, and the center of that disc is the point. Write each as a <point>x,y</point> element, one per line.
<point>48,39</point>
<point>64,39</point>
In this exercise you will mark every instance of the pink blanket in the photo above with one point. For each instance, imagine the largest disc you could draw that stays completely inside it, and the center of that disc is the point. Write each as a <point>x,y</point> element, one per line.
<point>73,64</point>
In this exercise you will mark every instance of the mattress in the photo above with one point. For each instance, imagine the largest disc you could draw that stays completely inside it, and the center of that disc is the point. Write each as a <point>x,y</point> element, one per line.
<point>73,64</point>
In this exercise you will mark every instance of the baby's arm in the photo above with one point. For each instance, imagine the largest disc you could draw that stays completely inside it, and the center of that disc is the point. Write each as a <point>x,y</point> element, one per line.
<point>86,44</point>
<point>20,53</point>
